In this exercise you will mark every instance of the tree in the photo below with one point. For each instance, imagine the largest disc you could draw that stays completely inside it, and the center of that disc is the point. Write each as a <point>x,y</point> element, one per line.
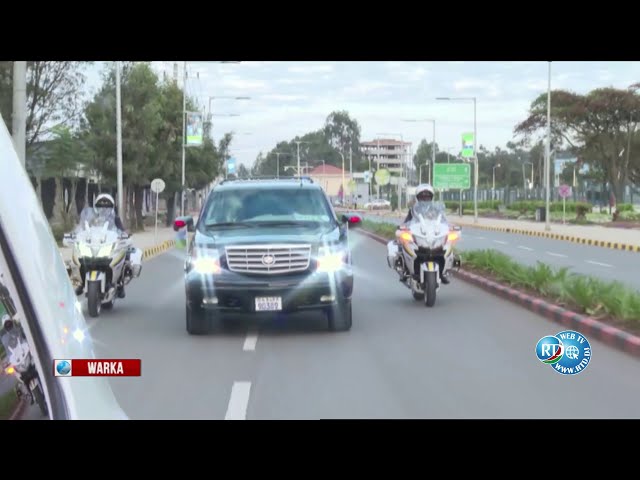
<point>423,156</point>
<point>53,96</point>
<point>597,126</point>
<point>243,172</point>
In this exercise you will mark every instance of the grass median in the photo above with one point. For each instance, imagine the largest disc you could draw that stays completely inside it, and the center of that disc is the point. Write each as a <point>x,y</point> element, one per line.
<point>610,302</point>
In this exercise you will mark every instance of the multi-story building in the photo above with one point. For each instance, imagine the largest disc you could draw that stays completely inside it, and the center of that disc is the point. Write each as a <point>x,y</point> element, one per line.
<point>387,153</point>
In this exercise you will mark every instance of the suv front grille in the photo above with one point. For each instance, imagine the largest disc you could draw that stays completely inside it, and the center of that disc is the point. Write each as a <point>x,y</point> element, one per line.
<point>268,259</point>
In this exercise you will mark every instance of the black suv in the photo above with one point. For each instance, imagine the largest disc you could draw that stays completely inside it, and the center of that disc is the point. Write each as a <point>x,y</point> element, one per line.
<point>267,246</point>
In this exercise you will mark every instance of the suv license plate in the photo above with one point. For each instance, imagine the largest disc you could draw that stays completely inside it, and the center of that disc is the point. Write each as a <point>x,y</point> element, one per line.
<point>268,304</point>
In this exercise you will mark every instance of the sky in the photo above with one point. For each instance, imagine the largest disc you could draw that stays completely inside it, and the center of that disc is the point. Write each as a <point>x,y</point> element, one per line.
<point>293,98</point>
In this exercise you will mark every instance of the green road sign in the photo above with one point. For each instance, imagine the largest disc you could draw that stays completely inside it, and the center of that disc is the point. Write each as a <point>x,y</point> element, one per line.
<point>452,176</point>
<point>383,176</point>
<point>467,145</point>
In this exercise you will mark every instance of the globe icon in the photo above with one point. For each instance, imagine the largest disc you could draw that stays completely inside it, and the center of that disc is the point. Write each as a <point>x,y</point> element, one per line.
<point>572,352</point>
<point>63,367</point>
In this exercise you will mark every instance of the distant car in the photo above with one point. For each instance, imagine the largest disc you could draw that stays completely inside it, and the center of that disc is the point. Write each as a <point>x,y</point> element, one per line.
<point>265,246</point>
<point>377,204</point>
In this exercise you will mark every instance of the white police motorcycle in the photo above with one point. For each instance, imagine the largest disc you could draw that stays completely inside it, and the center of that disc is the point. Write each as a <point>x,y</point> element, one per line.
<point>106,262</point>
<point>423,250</point>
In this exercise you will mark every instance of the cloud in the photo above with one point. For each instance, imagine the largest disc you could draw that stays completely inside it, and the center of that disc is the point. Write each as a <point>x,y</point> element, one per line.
<point>284,98</point>
<point>310,69</point>
<point>366,87</point>
<point>294,81</point>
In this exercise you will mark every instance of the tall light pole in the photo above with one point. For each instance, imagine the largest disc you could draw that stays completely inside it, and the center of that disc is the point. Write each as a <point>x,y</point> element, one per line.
<point>494,181</point>
<point>343,186</point>
<point>19,120</point>
<point>299,142</point>
<point>121,206</point>
<point>278,162</point>
<point>524,178</point>
<point>547,164</point>
<point>184,133</point>
<point>475,151</point>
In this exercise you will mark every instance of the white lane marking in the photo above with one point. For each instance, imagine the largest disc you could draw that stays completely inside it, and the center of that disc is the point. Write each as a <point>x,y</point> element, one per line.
<point>525,248</point>
<point>481,238</point>
<point>250,341</point>
<point>556,254</point>
<point>599,263</point>
<point>501,242</point>
<point>237,409</point>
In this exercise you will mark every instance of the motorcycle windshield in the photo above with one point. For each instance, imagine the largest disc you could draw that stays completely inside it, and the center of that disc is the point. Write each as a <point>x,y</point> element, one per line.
<point>430,211</point>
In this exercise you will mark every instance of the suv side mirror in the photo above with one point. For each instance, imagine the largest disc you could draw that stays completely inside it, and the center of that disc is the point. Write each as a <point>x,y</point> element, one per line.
<point>181,222</point>
<point>352,219</point>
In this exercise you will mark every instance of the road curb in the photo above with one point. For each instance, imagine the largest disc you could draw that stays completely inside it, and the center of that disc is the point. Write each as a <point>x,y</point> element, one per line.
<point>550,235</point>
<point>557,236</point>
<point>158,249</point>
<point>612,336</point>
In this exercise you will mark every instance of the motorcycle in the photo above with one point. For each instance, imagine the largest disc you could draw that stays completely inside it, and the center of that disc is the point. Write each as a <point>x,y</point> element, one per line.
<point>104,261</point>
<point>19,363</point>
<point>423,250</point>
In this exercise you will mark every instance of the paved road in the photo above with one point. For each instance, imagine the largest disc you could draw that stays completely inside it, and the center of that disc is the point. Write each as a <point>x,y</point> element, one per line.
<point>471,356</point>
<point>604,263</point>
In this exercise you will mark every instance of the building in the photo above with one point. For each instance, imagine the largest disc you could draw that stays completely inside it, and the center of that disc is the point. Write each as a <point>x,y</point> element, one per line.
<point>387,153</point>
<point>330,179</point>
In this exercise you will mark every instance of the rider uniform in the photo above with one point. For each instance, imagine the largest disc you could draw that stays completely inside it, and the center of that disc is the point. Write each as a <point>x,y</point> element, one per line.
<point>425,193</point>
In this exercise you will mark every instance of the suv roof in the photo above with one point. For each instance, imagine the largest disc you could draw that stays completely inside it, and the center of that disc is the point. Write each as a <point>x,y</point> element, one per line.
<point>268,183</point>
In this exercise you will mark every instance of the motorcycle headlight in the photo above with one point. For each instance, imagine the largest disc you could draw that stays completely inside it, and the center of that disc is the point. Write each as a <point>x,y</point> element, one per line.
<point>105,251</point>
<point>331,260</point>
<point>83,250</point>
<point>204,261</point>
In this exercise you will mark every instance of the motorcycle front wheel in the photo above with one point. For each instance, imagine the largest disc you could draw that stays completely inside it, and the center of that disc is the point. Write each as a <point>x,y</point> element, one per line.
<point>40,400</point>
<point>430,288</point>
<point>93,299</point>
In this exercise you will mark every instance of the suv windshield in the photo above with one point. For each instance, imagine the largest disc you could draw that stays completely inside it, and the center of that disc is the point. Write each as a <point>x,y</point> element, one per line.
<point>261,205</point>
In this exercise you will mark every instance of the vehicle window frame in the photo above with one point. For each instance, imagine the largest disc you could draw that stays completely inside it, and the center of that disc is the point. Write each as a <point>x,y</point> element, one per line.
<point>56,402</point>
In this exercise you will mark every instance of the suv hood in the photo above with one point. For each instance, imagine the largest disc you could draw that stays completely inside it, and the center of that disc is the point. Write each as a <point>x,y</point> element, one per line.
<point>258,235</point>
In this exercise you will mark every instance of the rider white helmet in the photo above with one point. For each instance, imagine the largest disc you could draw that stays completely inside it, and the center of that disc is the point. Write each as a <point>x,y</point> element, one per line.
<point>104,203</point>
<point>424,192</point>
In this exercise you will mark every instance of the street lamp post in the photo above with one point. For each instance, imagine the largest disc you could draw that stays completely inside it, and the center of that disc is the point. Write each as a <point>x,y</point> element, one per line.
<point>494,181</point>
<point>343,186</point>
<point>403,161</point>
<point>524,178</point>
<point>475,152</point>
<point>547,166</point>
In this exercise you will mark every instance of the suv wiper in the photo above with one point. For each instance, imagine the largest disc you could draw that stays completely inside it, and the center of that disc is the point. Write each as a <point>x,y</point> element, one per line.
<point>229,224</point>
<point>284,222</point>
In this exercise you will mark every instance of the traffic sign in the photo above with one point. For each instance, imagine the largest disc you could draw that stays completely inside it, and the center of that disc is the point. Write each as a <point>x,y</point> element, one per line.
<point>157,185</point>
<point>455,176</point>
<point>467,145</point>
<point>231,165</point>
<point>367,176</point>
<point>564,191</point>
<point>382,176</point>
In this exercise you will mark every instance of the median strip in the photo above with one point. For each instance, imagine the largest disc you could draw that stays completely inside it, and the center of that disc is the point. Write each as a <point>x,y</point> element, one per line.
<point>539,288</point>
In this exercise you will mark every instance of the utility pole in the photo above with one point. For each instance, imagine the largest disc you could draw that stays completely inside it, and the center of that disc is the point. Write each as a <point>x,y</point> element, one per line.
<point>121,206</point>
<point>547,165</point>
<point>175,72</point>
<point>19,118</point>
<point>184,133</point>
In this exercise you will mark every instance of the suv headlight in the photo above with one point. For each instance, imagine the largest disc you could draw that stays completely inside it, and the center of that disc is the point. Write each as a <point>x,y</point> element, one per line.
<point>204,261</point>
<point>331,259</point>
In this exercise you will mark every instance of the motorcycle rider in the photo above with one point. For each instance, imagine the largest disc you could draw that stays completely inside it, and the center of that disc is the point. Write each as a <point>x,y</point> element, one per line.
<point>104,208</point>
<point>425,193</point>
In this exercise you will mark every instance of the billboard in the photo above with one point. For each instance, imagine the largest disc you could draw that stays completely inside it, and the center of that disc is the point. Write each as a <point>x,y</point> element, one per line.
<point>467,145</point>
<point>195,129</point>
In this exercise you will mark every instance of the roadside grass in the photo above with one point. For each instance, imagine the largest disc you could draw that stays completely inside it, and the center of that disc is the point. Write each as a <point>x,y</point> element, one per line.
<point>8,403</point>
<point>610,302</point>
